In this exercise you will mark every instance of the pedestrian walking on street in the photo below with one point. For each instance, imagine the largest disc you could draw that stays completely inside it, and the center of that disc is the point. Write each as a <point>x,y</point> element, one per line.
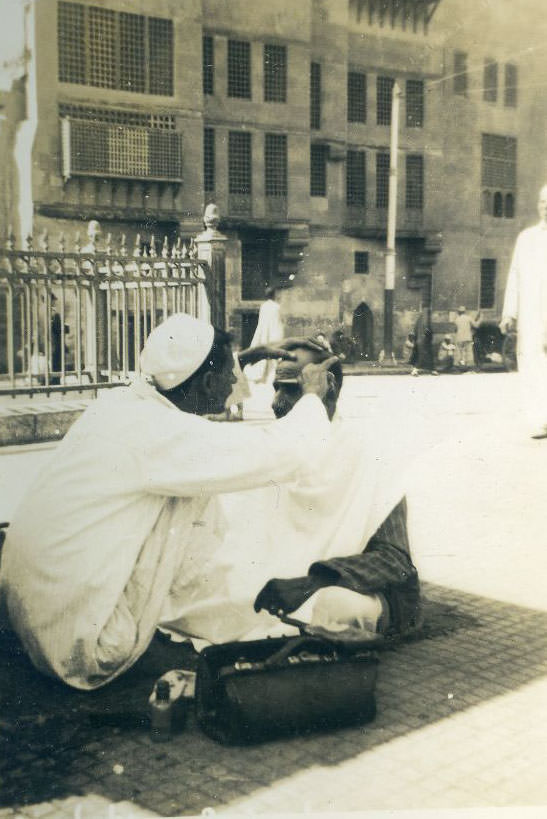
<point>464,336</point>
<point>525,304</point>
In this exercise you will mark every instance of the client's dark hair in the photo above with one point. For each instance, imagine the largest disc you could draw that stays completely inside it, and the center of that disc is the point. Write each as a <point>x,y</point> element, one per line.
<point>215,360</point>
<point>336,370</point>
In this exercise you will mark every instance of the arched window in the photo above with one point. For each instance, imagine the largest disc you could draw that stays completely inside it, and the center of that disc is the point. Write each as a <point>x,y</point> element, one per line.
<point>509,205</point>
<point>498,204</point>
<point>486,202</point>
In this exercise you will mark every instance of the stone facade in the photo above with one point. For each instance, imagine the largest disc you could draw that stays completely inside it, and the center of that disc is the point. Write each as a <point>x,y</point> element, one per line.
<point>327,256</point>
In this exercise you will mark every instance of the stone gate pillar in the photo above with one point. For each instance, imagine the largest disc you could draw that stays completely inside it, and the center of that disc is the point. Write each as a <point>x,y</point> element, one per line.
<point>211,247</point>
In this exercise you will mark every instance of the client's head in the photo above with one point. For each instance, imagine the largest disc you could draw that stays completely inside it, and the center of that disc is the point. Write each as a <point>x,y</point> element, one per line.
<point>288,388</point>
<point>190,362</point>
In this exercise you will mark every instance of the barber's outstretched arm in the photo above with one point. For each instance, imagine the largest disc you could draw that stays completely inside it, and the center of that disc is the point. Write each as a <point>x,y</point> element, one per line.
<point>279,350</point>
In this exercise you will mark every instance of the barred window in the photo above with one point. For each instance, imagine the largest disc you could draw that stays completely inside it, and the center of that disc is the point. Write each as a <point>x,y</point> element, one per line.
<point>357,96</point>
<point>275,165</point>
<point>208,56</point>
<point>275,73</point>
<point>382,179</point>
<point>414,103</point>
<point>209,160</point>
<point>160,45</point>
<point>239,162</point>
<point>490,82</point>
<point>318,169</point>
<point>239,69</point>
<point>355,178</point>
<point>360,262</point>
<point>110,49</point>
<point>510,91</point>
<point>102,47</point>
<point>384,93</point>
<point>71,37</point>
<point>460,73</point>
<point>499,175</point>
<point>315,96</point>
<point>499,158</point>
<point>488,284</point>
<point>132,47</point>
<point>414,181</point>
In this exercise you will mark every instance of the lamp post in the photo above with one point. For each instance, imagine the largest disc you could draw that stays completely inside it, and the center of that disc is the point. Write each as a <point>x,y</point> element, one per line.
<point>391,225</point>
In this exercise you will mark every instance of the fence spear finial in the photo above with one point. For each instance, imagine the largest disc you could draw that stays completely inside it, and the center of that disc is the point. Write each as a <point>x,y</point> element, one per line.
<point>165,248</point>
<point>123,245</point>
<point>10,239</point>
<point>108,247</point>
<point>77,243</point>
<point>29,241</point>
<point>153,246</point>
<point>44,240</point>
<point>137,248</point>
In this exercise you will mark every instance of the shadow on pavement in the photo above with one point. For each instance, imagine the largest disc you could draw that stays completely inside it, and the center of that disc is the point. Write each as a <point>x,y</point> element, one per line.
<point>56,742</point>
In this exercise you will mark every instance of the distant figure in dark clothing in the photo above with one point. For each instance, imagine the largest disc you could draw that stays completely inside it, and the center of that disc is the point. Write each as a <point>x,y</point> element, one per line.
<point>423,357</point>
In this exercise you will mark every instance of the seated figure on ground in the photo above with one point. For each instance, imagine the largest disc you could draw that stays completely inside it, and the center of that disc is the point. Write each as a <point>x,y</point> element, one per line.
<point>98,548</point>
<point>377,588</point>
<point>130,527</point>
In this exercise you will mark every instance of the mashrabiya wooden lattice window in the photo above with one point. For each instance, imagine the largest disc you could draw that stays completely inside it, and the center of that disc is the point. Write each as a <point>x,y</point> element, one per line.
<point>117,143</point>
<point>111,49</point>
<point>275,165</point>
<point>275,73</point>
<point>239,69</point>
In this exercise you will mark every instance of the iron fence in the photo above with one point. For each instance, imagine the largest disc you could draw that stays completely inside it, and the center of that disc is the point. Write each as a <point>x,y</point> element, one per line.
<point>76,320</point>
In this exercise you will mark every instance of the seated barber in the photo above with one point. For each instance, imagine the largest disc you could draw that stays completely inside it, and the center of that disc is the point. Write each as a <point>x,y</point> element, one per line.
<point>103,547</point>
<point>376,589</point>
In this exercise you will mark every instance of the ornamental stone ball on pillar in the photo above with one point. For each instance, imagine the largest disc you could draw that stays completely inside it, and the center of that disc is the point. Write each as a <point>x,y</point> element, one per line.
<point>211,247</point>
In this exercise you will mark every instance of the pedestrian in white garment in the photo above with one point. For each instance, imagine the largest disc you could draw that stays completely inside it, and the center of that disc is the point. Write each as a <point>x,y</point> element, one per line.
<point>464,336</point>
<point>525,306</point>
<point>101,549</point>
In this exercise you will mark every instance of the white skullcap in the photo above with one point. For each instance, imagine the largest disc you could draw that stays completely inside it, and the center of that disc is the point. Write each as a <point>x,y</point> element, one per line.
<point>175,349</point>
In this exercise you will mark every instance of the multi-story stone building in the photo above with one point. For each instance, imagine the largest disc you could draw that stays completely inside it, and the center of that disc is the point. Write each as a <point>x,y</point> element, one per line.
<point>140,113</point>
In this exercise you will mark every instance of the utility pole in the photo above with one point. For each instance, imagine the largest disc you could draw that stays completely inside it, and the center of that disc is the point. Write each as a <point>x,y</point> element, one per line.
<point>391,225</point>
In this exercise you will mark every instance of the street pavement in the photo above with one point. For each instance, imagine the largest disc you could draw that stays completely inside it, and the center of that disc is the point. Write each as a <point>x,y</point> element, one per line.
<point>461,716</point>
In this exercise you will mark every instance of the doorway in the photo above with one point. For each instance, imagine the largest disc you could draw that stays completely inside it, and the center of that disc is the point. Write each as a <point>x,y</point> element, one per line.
<point>362,332</point>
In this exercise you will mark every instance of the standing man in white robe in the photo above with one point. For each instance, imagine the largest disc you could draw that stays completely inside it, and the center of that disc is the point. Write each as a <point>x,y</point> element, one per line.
<point>525,306</point>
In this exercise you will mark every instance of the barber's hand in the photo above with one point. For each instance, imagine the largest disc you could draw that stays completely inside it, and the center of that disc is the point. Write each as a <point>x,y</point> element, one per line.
<point>304,342</point>
<point>286,595</point>
<point>253,354</point>
<point>314,378</point>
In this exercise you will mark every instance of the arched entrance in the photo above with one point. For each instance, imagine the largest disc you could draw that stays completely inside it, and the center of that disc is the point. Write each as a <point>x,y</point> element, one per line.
<point>362,332</point>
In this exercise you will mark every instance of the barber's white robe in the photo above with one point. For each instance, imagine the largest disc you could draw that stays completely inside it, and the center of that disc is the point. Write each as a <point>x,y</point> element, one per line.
<point>526,301</point>
<point>100,549</point>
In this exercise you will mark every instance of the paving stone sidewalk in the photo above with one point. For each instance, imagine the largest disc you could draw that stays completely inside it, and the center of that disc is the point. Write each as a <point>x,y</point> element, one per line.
<point>459,724</point>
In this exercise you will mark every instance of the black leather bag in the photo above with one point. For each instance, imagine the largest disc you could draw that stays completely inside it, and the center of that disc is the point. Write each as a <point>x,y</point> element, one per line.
<point>249,692</point>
